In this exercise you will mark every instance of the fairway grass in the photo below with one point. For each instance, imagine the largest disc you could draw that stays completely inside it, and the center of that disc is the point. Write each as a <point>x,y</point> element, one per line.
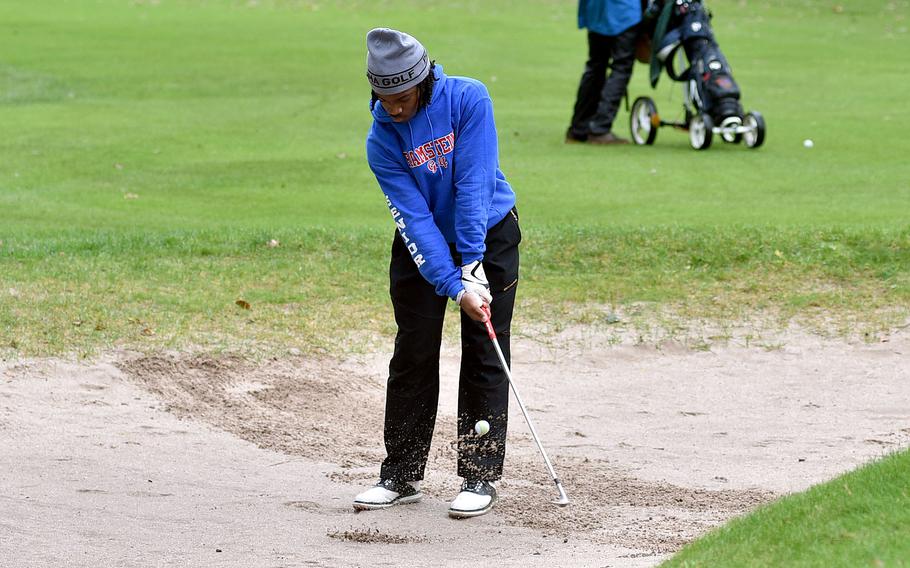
<point>324,290</point>
<point>150,150</point>
<point>861,518</point>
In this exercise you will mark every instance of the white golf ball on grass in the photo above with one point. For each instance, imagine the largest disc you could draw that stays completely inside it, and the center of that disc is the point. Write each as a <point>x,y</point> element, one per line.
<point>482,427</point>
<point>808,143</point>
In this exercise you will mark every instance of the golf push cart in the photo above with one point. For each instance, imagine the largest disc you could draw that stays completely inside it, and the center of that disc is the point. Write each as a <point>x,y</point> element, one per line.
<point>711,96</point>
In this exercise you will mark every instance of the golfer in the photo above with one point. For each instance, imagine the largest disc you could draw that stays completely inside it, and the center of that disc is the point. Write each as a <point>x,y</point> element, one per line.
<point>433,149</point>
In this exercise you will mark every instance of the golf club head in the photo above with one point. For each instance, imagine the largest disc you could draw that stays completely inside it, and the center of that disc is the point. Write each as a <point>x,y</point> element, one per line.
<point>563,498</point>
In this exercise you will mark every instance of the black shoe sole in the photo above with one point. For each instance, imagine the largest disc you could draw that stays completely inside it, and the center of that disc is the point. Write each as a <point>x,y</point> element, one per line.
<point>460,514</point>
<point>363,506</point>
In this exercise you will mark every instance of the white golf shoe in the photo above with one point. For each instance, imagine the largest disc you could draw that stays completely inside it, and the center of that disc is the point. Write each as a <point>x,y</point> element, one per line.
<point>476,498</point>
<point>388,492</point>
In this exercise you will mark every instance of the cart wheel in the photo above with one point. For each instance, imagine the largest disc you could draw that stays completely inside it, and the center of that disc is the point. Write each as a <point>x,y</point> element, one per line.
<point>728,126</point>
<point>755,136</point>
<point>701,130</point>
<point>644,121</point>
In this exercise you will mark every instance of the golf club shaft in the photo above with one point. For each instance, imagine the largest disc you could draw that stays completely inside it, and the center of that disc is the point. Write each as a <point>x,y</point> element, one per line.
<point>563,498</point>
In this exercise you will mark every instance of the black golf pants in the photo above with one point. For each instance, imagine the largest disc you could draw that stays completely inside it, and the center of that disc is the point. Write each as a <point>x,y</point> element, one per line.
<point>598,94</point>
<point>412,393</point>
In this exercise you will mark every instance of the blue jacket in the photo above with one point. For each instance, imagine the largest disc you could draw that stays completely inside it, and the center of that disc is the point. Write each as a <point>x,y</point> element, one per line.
<point>441,178</point>
<point>608,17</point>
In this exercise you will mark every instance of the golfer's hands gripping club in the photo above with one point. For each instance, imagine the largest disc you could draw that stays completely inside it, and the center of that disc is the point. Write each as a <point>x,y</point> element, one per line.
<point>475,307</point>
<point>475,299</point>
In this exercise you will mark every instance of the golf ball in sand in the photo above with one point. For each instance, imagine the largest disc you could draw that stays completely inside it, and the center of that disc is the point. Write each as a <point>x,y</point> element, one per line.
<point>808,143</point>
<point>482,427</point>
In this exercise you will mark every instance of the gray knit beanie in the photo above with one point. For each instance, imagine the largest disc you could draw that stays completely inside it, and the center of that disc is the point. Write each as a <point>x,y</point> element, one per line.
<point>395,61</point>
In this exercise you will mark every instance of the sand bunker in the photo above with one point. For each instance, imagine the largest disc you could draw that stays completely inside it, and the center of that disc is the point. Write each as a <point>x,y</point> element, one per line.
<point>655,446</point>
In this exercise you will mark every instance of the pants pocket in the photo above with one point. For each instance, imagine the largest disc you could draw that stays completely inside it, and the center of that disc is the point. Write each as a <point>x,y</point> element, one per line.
<point>501,260</point>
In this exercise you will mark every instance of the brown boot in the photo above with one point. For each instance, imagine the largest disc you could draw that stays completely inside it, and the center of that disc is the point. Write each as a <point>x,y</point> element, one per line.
<point>604,139</point>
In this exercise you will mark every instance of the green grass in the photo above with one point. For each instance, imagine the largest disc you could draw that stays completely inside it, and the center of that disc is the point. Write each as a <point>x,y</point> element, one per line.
<point>76,292</point>
<point>859,519</point>
<point>151,149</point>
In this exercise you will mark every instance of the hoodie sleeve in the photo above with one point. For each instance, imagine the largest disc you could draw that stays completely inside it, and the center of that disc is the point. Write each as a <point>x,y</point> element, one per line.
<point>476,162</point>
<point>415,222</point>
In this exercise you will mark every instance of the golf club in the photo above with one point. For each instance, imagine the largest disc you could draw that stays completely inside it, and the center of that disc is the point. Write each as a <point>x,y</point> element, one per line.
<point>563,498</point>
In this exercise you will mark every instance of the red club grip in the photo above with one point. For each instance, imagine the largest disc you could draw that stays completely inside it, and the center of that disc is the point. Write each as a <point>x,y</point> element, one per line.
<point>489,323</point>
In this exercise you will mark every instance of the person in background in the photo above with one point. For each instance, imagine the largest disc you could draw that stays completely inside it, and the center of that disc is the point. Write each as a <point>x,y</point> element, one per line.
<point>613,27</point>
<point>434,151</point>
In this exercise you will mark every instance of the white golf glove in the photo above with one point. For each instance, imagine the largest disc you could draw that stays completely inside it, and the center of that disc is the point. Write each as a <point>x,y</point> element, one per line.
<point>474,280</point>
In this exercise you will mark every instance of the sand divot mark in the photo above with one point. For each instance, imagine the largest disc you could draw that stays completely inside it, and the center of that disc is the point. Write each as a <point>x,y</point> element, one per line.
<point>301,406</point>
<point>374,536</point>
<point>611,507</point>
<point>305,505</point>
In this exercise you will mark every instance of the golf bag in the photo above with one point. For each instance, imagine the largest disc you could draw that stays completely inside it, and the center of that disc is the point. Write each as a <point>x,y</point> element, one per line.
<point>686,24</point>
<point>711,96</point>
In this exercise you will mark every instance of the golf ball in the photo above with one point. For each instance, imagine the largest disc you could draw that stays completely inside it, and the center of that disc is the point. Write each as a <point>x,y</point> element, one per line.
<point>808,143</point>
<point>482,427</point>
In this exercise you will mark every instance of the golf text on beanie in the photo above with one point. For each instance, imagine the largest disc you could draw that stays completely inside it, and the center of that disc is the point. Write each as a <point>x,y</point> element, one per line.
<point>395,61</point>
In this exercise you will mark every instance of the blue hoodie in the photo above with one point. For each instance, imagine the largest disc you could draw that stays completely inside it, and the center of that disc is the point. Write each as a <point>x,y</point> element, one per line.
<point>441,178</point>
